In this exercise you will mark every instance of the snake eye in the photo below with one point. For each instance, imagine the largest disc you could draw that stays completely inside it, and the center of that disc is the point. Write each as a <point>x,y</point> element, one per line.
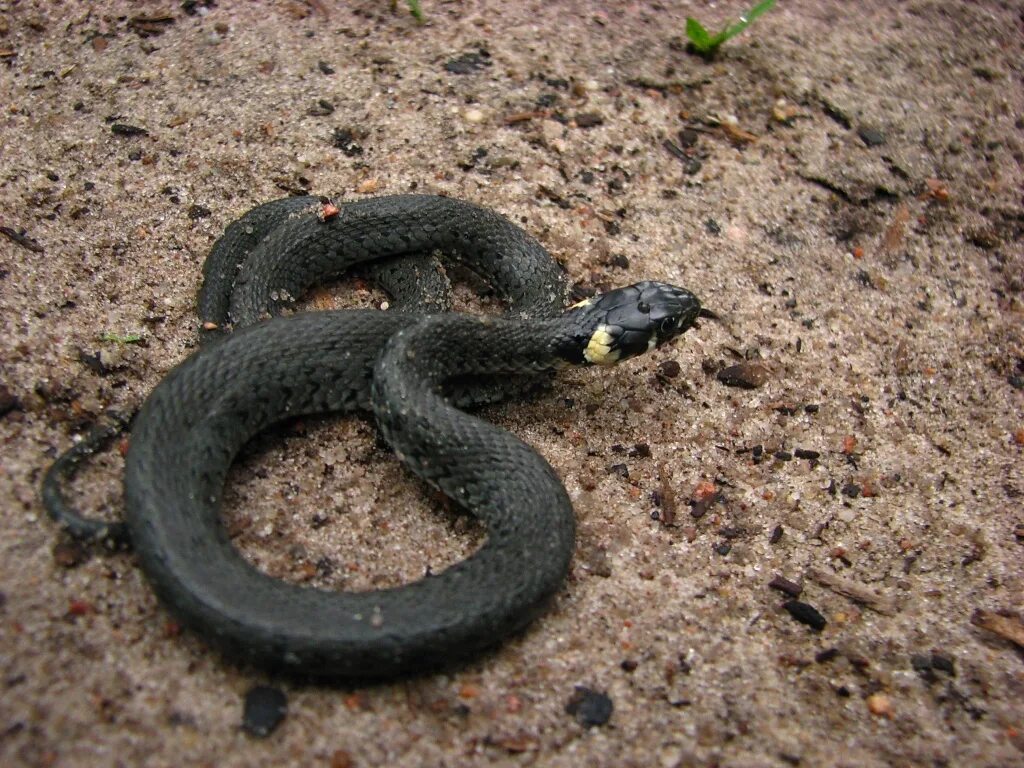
<point>644,307</point>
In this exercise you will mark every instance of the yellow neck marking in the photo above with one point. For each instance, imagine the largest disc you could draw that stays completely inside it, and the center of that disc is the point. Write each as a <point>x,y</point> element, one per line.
<point>599,349</point>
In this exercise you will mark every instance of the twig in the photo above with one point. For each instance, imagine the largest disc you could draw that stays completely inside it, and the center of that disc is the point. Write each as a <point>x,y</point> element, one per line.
<point>854,590</point>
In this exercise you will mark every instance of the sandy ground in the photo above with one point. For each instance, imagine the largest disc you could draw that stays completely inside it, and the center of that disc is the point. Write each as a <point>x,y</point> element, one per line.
<point>845,193</point>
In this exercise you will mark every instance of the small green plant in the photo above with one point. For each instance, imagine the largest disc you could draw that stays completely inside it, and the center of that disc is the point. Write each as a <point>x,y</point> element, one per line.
<point>706,44</point>
<point>415,10</point>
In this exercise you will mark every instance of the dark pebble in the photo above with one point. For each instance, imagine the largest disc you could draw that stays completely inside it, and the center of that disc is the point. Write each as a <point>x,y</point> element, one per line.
<point>724,548</point>
<point>872,137</point>
<point>852,490</point>
<point>619,469</point>
<point>669,369</point>
<point>325,68</point>
<point>744,375</point>
<point>803,453</point>
<point>468,63</point>
<point>811,408</point>
<point>688,138</point>
<point>826,655</point>
<point>124,129</point>
<point>776,536</point>
<point>620,261</point>
<point>322,108</point>
<point>345,140</point>
<point>783,584</point>
<point>589,707</point>
<point>943,663</point>
<point>68,554</point>
<point>805,614</point>
<point>8,401</point>
<point>265,708</point>
<point>700,508</point>
<point>629,665</point>
<point>588,119</point>
<point>712,227</point>
<point>198,212</point>
<point>640,451</point>
<point>757,452</point>
<point>783,455</point>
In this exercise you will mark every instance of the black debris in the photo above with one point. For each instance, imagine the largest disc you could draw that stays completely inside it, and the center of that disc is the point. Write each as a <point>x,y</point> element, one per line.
<point>325,68</point>
<point>265,708</point>
<point>783,584</point>
<point>803,453</point>
<point>851,490</point>
<point>943,663</point>
<point>724,548</point>
<point>776,535</point>
<point>588,119</point>
<point>8,401</point>
<point>688,138</point>
<point>805,614</point>
<point>590,708</point>
<point>198,212</point>
<point>783,455</point>
<point>124,129</point>
<point>640,451</point>
<point>826,655</point>
<point>669,369</point>
<point>345,140</point>
<point>468,63</point>
<point>322,108</point>
<point>619,469</point>
<point>872,137</point>
<point>19,237</point>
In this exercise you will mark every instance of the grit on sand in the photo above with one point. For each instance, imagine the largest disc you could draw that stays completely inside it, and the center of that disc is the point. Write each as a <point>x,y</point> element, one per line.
<point>842,187</point>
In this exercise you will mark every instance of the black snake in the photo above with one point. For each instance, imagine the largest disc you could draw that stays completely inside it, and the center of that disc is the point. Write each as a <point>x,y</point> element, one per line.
<point>413,371</point>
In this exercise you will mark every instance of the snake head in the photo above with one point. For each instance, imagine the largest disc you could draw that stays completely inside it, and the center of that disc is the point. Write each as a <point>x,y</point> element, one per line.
<point>629,321</point>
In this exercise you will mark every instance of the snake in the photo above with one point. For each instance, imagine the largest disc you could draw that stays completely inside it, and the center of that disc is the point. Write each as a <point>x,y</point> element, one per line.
<point>415,369</point>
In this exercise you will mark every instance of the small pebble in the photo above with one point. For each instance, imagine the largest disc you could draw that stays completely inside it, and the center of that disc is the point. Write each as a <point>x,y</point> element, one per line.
<point>669,369</point>
<point>879,705</point>
<point>744,375</point>
<point>590,708</point>
<point>265,708</point>
<point>588,120</point>
<point>474,115</point>
<point>8,401</point>
<point>872,137</point>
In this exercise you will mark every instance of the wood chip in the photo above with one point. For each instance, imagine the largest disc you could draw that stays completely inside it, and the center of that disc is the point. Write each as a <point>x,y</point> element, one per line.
<point>668,496</point>
<point>1008,627</point>
<point>893,237</point>
<point>854,590</point>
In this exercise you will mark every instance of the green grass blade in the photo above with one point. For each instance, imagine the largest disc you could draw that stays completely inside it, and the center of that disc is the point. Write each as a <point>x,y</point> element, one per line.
<point>699,36</point>
<point>415,10</point>
<point>745,21</point>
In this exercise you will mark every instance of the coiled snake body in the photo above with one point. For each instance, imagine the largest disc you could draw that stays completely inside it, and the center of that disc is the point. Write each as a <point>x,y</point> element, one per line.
<point>413,371</point>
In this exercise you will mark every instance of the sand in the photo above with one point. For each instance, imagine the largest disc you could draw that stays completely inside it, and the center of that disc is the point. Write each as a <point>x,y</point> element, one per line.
<point>842,187</point>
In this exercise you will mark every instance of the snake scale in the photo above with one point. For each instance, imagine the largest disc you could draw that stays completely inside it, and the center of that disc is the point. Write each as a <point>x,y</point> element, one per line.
<point>414,369</point>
